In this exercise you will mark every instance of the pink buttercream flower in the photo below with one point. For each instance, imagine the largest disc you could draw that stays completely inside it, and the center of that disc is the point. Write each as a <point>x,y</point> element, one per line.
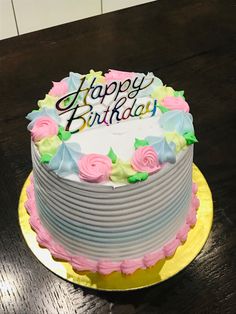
<point>175,103</point>
<point>44,127</point>
<point>145,159</point>
<point>94,168</point>
<point>118,75</point>
<point>59,89</point>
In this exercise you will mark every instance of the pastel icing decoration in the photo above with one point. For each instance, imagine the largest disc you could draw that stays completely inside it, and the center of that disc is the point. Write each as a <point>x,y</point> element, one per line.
<point>121,171</point>
<point>98,75</point>
<point>118,75</point>
<point>190,138</point>
<point>48,145</point>
<point>161,92</point>
<point>175,103</point>
<point>150,80</point>
<point>179,93</point>
<point>145,159</point>
<point>43,127</point>
<point>59,89</point>
<point>45,158</point>
<point>178,140</point>
<point>140,143</point>
<point>49,101</point>
<point>177,121</point>
<point>64,162</point>
<point>73,81</point>
<point>112,156</point>
<point>94,168</point>
<point>63,134</point>
<point>139,176</point>
<point>165,150</point>
<point>44,112</point>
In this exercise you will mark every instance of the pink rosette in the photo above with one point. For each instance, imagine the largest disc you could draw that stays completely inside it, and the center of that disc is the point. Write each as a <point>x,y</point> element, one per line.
<point>94,168</point>
<point>43,127</point>
<point>59,89</point>
<point>175,103</point>
<point>145,159</point>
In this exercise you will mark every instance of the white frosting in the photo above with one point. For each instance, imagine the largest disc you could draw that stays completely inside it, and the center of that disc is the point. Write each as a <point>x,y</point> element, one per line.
<point>120,137</point>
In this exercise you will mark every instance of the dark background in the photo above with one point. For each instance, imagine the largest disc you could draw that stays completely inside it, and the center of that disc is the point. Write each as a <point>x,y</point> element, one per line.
<point>190,45</point>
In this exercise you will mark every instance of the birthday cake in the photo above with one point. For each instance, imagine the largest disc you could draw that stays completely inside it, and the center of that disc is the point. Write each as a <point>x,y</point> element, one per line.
<point>112,154</point>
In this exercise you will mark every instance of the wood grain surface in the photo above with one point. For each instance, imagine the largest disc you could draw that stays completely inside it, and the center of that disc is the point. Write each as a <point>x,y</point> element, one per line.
<point>191,46</point>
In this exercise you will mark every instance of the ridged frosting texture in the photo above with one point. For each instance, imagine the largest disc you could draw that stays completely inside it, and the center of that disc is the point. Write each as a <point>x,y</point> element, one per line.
<point>105,267</point>
<point>100,223</point>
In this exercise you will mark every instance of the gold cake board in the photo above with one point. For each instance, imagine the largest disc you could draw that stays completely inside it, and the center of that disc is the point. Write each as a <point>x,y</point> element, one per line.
<point>141,278</point>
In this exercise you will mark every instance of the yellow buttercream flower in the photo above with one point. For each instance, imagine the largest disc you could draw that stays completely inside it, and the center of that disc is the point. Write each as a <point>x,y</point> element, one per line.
<point>179,140</point>
<point>121,170</point>
<point>99,77</point>
<point>49,101</point>
<point>161,92</point>
<point>49,145</point>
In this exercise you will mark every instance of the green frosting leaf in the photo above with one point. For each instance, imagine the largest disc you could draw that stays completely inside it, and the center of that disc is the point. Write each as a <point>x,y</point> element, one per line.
<point>140,143</point>
<point>63,135</point>
<point>112,156</point>
<point>121,171</point>
<point>190,138</point>
<point>163,109</point>
<point>179,93</point>
<point>139,176</point>
<point>45,158</point>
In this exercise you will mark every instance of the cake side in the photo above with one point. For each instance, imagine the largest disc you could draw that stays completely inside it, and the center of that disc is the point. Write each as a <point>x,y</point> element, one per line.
<point>114,224</point>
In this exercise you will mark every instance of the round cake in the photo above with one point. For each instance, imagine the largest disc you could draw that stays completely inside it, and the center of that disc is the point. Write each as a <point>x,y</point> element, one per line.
<point>112,154</point>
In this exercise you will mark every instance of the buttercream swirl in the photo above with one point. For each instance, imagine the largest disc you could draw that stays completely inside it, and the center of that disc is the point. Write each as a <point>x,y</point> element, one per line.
<point>94,168</point>
<point>49,101</point>
<point>145,159</point>
<point>43,127</point>
<point>48,145</point>
<point>59,88</point>
<point>65,160</point>
<point>161,92</point>
<point>177,121</point>
<point>43,112</point>
<point>178,140</point>
<point>118,75</point>
<point>165,151</point>
<point>121,171</point>
<point>175,103</point>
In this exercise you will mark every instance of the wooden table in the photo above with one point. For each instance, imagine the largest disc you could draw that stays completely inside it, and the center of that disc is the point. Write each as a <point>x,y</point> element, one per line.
<point>190,45</point>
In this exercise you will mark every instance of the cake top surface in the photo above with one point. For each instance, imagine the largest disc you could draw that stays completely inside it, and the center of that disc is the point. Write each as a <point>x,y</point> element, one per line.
<point>113,129</point>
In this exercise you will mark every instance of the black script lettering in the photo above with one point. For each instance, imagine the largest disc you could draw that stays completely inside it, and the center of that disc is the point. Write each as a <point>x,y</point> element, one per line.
<point>115,110</point>
<point>138,87</point>
<point>80,118</point>
<point>108,90</point>
<point>97,92</point>
<point>136,113</point>
<point>125,85</point>
<point>76,94</point>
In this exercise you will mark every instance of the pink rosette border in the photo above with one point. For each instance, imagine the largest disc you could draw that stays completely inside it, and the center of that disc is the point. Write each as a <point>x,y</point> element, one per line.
<point>105,267</point>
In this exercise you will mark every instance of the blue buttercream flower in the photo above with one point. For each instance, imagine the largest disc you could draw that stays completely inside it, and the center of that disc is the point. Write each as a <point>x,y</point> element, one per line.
<point>43,112</point>
<point>177,121</point>
<point>165,151</point>
<point>73,81</point>
<point>65,161</point>
<point>147,79</point>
